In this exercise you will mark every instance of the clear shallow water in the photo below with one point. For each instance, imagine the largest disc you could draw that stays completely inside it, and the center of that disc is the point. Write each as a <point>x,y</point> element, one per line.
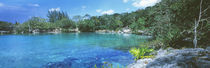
<point>78,49</point>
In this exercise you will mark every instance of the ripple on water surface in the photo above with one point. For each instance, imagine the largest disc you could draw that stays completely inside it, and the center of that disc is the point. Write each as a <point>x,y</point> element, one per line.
<point>66,49</point>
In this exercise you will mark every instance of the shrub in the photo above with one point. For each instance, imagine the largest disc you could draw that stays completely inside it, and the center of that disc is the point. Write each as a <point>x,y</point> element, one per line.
<point>140,53</point>
<point>155,44</point>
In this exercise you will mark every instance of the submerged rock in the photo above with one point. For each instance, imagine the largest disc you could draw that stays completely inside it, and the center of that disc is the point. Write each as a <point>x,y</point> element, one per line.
<point>140,63</point>
<point>75,63</point>
<point>67,63</point>
<point>174,58</point>
<point>58,65</point>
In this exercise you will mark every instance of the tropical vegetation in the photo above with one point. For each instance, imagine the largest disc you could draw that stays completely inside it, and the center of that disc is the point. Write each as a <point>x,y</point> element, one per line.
<point>140,53</point>
<point>171,22</point>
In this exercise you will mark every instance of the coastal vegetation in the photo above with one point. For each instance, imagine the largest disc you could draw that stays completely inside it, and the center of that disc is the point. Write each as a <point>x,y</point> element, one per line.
<point>140,53</point>
<point>170,21</point>
<point>175,24</point>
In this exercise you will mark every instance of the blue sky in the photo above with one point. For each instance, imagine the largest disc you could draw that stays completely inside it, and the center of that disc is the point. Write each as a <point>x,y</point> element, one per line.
<point>21,10</point>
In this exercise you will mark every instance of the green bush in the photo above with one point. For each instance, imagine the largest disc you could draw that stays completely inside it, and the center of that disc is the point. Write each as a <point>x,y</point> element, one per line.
<point>155,44</point>
<point>140,53</point>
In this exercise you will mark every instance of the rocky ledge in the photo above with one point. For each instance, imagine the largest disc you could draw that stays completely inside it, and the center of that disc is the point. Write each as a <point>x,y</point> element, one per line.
<point>175,58</point>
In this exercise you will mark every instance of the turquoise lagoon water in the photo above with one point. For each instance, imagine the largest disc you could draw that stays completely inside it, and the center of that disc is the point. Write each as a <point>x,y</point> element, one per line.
<point>70,50</point>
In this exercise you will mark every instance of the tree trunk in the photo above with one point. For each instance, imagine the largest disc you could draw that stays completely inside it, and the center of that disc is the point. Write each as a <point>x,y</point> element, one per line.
<point>197,24</point>
<point>195,35</point>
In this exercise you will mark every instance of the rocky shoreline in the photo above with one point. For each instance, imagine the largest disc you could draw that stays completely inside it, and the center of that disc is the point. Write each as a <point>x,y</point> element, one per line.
<point>175,58</point>
<point>124,31</point>
<point>168,58</point>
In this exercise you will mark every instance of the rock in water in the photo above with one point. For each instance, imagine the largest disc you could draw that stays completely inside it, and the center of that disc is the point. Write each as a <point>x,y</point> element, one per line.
<point>67,63</point>
<point>70,62</point>
<point>174,58</point>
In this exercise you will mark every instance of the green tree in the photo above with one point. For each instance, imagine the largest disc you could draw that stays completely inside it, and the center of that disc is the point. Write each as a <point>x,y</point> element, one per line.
<point>66,23</point>
<point>139,24</point>
<point>5,26</point>
<point>56,15</point>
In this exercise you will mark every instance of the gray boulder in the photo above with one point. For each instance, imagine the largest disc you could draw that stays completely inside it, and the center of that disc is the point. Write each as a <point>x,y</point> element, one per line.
<point>185,58</point>
<point>175,58</point>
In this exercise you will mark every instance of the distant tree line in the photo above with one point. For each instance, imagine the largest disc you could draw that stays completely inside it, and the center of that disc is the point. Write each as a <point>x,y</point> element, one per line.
<point>171,21</point>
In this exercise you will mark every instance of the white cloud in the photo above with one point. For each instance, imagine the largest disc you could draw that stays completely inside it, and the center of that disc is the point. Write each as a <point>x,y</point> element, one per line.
<point>84,7</point>
<point>98,10</point>
<point>35,5</point>
<point>1,4</point>
<point>144,3</point>
<point>12,7</point>
<point>107,12</point>
<point>125,1</point>
<point>127,9</point>
<point>54,9</point>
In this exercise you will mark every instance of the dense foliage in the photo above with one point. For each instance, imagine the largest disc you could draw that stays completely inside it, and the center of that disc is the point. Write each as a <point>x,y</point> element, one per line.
<point>55,16</point>
<point>170,21</point>
<point>140,53</point>
<point>57,21</point>
<point>5,26</point>
<point>173,21</point>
